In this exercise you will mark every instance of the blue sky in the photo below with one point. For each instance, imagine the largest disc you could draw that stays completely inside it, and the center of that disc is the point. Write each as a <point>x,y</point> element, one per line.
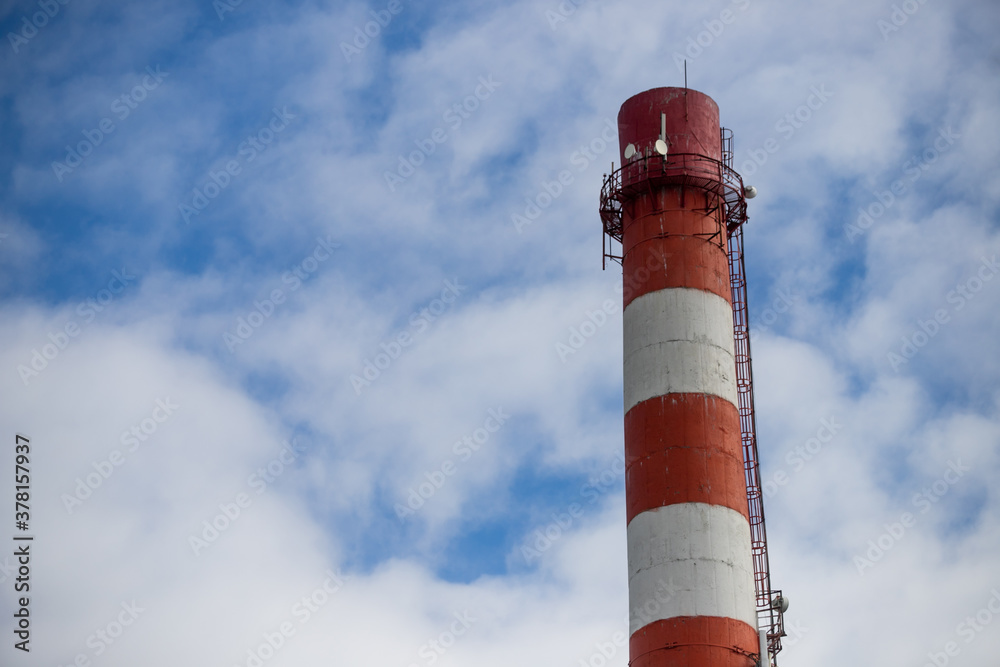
<point>360,214</point>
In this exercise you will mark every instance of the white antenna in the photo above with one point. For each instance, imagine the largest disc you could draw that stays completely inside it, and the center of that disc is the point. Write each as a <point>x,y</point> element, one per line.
<point>765,659</point>
<point>629,151</point>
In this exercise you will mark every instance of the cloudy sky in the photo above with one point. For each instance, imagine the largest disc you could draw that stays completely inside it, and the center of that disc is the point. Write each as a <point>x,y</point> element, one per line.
<point>288,288</point>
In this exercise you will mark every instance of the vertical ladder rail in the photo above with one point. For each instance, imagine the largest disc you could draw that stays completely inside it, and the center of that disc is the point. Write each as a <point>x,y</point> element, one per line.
<point>769,616</point>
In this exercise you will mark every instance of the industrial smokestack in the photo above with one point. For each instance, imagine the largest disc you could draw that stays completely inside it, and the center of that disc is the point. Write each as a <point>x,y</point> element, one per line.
<point>673,206</point>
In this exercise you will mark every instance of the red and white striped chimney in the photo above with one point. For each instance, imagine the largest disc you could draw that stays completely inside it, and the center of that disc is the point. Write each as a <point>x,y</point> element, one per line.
<point>690,572</point>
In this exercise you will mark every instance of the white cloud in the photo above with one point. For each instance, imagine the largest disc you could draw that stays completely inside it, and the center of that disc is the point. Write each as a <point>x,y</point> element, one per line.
<point>496,346</point>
